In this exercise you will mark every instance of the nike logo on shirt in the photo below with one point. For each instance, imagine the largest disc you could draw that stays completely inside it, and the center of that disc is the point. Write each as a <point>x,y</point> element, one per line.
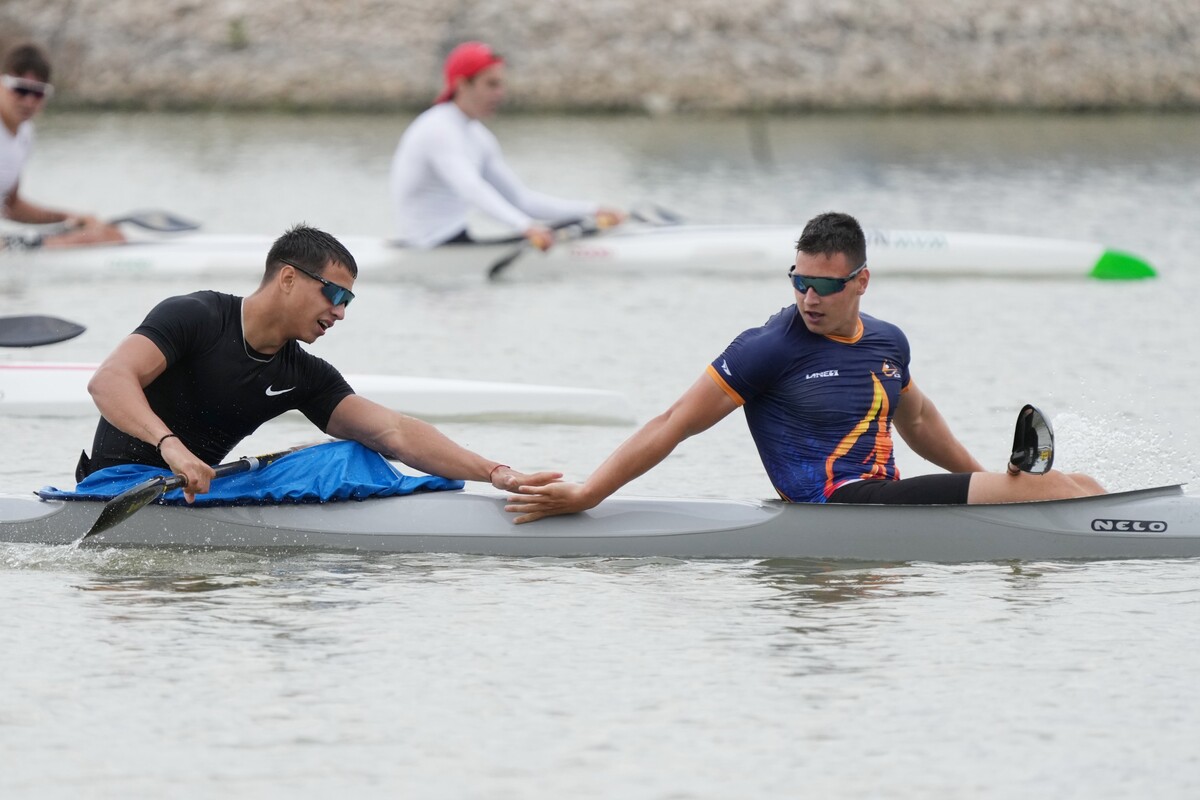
<point>272,391</point>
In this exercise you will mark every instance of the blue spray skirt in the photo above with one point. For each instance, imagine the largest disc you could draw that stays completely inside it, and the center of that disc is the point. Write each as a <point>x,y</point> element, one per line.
<point>324,473</point>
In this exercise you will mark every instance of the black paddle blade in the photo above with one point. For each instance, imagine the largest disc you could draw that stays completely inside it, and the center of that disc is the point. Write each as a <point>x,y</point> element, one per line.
<point>158,220</point>
<point>502,263</point>
<point>1033,442</point>
<point>126,504</point>
<point>32,331</point>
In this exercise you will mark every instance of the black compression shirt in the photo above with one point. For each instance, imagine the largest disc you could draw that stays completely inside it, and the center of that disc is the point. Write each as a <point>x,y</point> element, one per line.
<point>215,391</point>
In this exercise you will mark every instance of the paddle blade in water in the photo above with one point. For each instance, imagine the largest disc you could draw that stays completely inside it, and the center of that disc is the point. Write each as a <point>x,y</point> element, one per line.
<point>126,504</point>
<point>502,263</point>
<point>1033,442</point>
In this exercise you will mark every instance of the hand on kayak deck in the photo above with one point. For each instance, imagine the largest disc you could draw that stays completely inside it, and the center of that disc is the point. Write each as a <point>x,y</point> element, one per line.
<point>550,500</point>
<point>509,479</point>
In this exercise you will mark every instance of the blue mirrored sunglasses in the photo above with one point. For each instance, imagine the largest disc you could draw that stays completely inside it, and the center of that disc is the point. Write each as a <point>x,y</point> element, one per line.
<point>338,295</point>
<point>822,286</point>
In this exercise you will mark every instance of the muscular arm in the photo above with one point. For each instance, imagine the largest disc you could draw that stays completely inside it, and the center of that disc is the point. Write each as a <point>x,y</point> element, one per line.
<point>82,228</point>
<point>18,209</point>
<point>924,429</point>
<point>118,390</point>
<point>697,410</point>
<point>420,445</point>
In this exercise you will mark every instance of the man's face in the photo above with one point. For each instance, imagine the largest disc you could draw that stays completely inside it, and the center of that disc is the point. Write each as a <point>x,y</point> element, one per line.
<point>313,312</point>
<point>21,98</point>
<point>833,314</point>
<point>480,97</point>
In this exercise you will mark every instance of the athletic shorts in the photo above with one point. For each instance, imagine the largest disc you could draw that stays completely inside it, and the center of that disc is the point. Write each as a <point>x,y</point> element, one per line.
<point>942,489</point>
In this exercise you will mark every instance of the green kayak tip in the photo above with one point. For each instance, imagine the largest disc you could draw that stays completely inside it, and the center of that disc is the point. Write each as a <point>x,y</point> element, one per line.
<point>1117,266</point>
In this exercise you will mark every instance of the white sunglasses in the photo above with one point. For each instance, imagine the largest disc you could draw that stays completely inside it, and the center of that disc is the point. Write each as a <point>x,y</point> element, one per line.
<point>24,87</point>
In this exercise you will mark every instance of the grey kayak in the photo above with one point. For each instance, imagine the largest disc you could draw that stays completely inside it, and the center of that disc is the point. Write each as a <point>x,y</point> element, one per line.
<point>1147,523</point>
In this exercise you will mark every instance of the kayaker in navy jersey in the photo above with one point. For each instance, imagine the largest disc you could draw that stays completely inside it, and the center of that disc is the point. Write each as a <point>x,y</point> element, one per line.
<point>822,385</point>
<point>205,370</point>
<point>448,162</point>
<point>24,89</point>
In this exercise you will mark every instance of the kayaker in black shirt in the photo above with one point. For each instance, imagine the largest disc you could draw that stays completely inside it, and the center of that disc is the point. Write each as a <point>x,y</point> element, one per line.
<point>205,370</point>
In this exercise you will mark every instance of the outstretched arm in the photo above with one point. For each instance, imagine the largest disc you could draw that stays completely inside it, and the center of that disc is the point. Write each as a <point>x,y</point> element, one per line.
<point>700,407</point>
<point>422,446</point>
<point>18,209</point>
<point>925,430</point>
<point>81,228</point>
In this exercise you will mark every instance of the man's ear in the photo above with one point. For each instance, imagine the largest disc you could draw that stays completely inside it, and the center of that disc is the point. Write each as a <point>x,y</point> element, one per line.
<point>286,278</point>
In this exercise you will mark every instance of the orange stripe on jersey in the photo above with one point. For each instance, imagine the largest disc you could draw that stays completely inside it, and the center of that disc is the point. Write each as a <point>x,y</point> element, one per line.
<point>878,413</point>
<point>883,439</point>
<point>725,387</point>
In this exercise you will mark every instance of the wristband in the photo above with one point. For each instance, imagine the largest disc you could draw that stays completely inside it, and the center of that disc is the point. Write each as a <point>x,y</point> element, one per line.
<point>492,471</point>
<point>158,447</point>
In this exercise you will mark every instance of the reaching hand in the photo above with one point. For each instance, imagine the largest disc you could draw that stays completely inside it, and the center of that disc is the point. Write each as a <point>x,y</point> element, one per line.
<point>535,502</point>
<point>609,218</point>
<point>540,237</point>
<point>511,480</point>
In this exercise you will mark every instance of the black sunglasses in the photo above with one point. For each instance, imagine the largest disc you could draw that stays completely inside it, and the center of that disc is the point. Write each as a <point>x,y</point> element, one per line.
<point>338,295</point>
<point>822,286</point>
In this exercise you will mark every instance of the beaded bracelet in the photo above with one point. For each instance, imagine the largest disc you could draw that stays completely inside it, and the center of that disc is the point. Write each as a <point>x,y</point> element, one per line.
<point>158,447</point>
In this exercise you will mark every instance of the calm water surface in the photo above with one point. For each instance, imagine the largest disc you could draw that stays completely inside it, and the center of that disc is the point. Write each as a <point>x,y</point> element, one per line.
<point>143,673</point>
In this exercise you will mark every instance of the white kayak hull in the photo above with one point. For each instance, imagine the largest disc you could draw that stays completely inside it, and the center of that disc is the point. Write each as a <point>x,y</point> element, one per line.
<point>731,250</point>
<point>1150,523</point>
<point>59,389</point>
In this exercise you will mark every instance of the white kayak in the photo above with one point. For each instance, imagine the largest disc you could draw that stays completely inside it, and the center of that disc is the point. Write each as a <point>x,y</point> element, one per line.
<point>1149,523</point>
<point>646,250</point>
<point>47,389</point>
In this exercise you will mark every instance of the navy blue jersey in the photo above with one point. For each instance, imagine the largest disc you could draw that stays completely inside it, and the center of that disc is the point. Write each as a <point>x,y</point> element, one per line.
<point>213,392</point>
<point>819,407</point>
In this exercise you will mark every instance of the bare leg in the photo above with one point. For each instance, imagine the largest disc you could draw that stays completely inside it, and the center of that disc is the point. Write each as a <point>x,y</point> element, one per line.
<point>1000,487</point>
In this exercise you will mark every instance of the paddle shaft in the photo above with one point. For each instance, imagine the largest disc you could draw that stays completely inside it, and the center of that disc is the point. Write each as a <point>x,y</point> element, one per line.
<point>243,464</point>
<point>569,229</point>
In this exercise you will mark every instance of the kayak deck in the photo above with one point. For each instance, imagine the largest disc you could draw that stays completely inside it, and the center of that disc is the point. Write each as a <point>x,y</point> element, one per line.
<point>1148,523</point>
<point>59,389</point>
<point>646,250</point>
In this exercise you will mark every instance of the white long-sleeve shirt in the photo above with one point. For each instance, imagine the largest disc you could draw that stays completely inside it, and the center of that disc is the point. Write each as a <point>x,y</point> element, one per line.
<point>14,152</point>
<point>446,164</point>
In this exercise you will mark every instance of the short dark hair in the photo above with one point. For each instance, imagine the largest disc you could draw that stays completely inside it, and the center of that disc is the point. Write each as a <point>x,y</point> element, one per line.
<point>834,232</point>
<point>26,58</point>
<point>308,248</point>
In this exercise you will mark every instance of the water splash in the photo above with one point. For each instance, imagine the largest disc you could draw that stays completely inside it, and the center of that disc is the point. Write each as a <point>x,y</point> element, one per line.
<point>1119,451</point>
